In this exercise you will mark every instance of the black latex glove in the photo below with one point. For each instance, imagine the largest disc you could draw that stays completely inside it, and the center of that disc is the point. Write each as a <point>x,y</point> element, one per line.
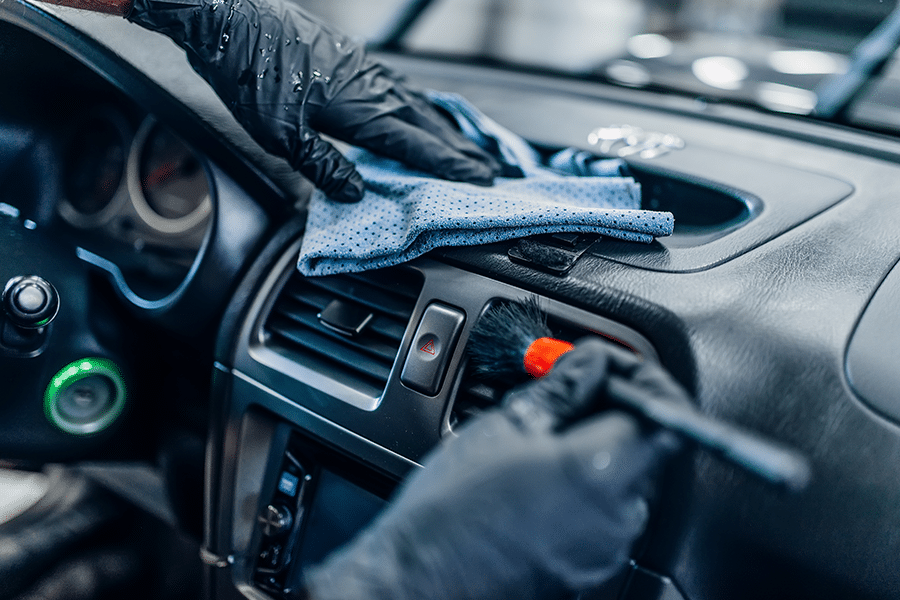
<point>286,76</point>
<point>519,505</point>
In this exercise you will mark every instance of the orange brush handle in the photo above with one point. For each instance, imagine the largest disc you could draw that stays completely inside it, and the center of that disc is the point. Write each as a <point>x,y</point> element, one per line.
<point>542,354</point>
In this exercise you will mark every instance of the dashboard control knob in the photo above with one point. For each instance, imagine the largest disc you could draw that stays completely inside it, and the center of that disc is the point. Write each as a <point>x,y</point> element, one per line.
<point>275,520</point>
<point>30,301</point>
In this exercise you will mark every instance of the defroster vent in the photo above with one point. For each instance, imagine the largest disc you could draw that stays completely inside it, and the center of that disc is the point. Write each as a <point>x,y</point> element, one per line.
<point>348,327</point>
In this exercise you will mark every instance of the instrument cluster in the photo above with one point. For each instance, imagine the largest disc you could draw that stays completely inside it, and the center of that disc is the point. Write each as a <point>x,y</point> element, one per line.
<point>137,197</point>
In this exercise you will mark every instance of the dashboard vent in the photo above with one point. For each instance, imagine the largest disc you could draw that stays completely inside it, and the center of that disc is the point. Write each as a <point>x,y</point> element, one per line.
<point>474,396</point>
<point>477,394</point>
<point>348,327</point>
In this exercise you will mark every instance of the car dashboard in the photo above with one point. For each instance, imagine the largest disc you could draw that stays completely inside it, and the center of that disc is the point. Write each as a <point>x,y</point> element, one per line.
<point>172,240</point>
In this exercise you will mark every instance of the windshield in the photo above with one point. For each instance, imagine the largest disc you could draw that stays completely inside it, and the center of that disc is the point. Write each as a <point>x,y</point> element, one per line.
<point>779,55</point>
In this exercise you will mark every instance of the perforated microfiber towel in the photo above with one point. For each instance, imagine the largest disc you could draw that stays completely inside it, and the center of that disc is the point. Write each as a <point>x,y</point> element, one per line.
<point>405,213</point>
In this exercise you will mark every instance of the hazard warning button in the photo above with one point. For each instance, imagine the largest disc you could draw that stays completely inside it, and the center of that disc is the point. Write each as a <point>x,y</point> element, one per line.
<point>433,344</point>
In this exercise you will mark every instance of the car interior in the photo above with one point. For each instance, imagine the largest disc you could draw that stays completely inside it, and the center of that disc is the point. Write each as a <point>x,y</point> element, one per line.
<point>220,421</point>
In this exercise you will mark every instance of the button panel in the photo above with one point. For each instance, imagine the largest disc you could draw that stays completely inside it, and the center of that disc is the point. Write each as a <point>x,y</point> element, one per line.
<point>279,524</point>
<point>433,345</point>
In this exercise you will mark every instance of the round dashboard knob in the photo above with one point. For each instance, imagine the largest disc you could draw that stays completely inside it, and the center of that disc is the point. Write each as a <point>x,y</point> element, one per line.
<point>30,301</point>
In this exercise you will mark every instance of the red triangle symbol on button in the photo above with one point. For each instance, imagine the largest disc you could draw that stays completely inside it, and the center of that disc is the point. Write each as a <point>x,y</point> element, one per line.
<point>429,347</point>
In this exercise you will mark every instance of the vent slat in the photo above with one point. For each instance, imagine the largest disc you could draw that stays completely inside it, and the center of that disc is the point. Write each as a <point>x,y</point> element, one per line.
<point>386,324</point>
<point>370,296</point>
<point>396,283</point>
<point>294,329</point>
<point>309,297</point>
<point>361,343</point>
<point>389,328</point>
<point>383,325</point>
<point>334,351</point>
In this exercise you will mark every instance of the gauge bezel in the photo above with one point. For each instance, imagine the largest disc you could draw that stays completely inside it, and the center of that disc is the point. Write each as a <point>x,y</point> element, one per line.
<point>152,219</point>
<point>120,198</point>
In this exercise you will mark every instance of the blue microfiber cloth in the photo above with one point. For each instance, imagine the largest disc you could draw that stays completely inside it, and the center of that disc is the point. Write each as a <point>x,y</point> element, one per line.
<point>405,213</point>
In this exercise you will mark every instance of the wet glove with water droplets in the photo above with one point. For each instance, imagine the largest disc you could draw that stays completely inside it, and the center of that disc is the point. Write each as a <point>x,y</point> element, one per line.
<point>532,500</point>
<point>287,77</point>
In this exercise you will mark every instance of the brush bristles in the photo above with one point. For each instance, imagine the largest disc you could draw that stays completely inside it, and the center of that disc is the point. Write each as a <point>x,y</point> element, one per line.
<point>500,338</point>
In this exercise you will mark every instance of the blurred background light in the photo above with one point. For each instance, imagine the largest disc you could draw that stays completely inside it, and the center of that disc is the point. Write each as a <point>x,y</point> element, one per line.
<point>723,72</point>
<point>649,45</point>
<point>786,98</point>
<point>805,62</point>
<point>628,72</point>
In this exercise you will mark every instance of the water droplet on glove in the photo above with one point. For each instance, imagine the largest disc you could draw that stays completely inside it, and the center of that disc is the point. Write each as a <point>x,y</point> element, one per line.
<point>601,460</point>
<point>297,81</point>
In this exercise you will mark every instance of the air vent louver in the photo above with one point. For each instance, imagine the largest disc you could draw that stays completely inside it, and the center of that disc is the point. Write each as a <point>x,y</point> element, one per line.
<point>474,396</point>
<point>364,359</point>
<point>478,393</point>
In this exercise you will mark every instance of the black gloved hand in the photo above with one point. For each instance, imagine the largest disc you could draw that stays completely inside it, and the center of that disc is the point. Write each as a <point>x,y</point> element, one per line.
<point>518,506</point>
<point>286,76</point>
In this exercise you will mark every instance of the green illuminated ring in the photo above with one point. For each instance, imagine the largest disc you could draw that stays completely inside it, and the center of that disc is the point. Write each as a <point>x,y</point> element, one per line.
<point>74,372</point>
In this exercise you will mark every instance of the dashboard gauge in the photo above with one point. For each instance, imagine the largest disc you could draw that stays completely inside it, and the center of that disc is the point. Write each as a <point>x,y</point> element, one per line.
<point>94,170</point>
<point>168,183</point>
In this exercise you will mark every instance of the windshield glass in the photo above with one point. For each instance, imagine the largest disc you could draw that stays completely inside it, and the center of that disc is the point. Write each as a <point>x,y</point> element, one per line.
<point>773,54</point>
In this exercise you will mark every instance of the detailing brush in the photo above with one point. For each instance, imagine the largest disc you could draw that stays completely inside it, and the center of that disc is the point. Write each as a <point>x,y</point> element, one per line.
<point>514,338</point>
